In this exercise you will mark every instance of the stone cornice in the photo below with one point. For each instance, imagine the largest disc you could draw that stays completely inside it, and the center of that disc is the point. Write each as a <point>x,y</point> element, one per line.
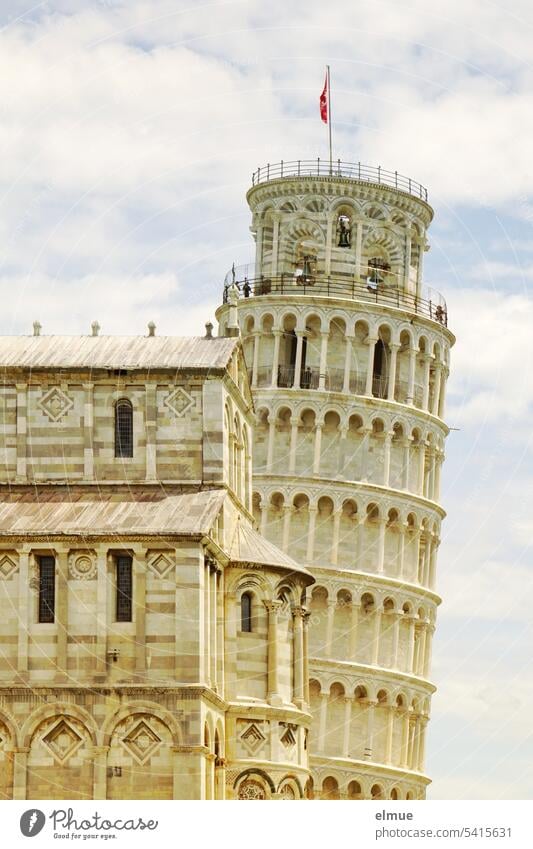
<point>372,767</point>
<point>362,670</point>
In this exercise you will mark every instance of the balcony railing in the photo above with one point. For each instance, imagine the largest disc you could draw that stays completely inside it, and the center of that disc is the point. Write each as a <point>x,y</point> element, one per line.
<point>432,305</point>
<point>334,382</point>
<point>347,170</point>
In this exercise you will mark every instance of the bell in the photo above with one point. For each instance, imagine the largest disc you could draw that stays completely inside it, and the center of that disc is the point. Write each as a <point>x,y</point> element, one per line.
<point>306,267</point>
<point>344,236</point>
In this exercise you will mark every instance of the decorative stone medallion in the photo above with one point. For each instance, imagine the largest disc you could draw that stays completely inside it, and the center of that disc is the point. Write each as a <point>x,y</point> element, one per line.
<point>250,789</point>
<point>8,566</point>
<point>179,402</point>
<point>62,741</point>
<point>160,563</point>
<point>55,404</point>
<point>141,742</point>
<point>82,565</point>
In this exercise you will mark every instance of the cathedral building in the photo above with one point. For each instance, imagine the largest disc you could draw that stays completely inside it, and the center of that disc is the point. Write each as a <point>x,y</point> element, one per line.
<point>153,644</point>
<point>348,357</point>
<point>218,554</point>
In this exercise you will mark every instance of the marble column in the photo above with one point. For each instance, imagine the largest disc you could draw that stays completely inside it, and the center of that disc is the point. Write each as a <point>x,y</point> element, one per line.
<point>272,682</point>
<point>323,360</point>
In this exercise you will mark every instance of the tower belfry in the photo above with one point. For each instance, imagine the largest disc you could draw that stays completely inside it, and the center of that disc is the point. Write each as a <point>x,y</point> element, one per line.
<point>348,358</point>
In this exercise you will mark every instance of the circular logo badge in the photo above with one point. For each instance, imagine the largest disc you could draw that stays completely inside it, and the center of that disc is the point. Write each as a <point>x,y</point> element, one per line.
<point>32,822</point>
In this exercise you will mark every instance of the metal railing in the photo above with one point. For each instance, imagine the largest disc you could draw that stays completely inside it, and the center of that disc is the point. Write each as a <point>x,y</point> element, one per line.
<point>433,307</point>
<point>334,382</point>
<point>347,170</point>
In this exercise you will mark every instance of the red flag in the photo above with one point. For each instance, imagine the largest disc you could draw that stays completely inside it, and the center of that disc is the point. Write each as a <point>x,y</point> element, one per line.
<point>324,102</point>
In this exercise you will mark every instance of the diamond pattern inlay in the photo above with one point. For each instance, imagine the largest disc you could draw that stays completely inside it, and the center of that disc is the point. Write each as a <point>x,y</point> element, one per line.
<point>160,565</point>
<point>179,401</point>
<point>62,741</point>
<point>55,404</point>
<point>8,567</point>
<point>141,742</point>
<point>253,738</point>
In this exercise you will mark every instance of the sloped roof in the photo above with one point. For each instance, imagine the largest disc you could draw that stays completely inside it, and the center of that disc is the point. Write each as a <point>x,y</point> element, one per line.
<point>248,546</point>
<point>124,514</point>
<point>116,352</point>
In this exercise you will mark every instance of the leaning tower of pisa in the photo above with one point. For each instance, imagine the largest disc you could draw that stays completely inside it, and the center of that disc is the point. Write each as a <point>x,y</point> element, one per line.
<point>348,357</point>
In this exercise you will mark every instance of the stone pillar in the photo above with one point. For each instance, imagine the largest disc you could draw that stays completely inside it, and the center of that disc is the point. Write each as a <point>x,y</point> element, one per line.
<point>99,772</point>
<point>442,398</point>
<point>422,746</point>
<point>436,389</point>
<point>421,463</point>
<point>275,359</point>
<point>430,629</point>
<point>318,441</point>
<point>416,745</point>
<point>310,555</point>
<point>347,726</point>
<point>401,554</point>
<point>427,558</point>
<point>263,506</point>
<point>330,232</point>
<point>364,451</point>
<point>353,632</point>
<point>23,611</point>
<point>347,364</point>
<point>287,512</point>
<point>139,606</point>
<point>433,563</point>
<point>258,250</point>
<point>213,635</point>
<point>272,665</point>
<point>323,360</point>
<point>276,216</point>
<point>20,771</point>
<point>376,638</point>
<point>407,265</point>
<point>61,613</point>
<point>324,697</point>
<point>22,430</point>
<point>358,248</point>
<point>332,605</point>
<point>386,457</point>
<point>101,611</point>
<point>392,371</point>
<point>420,267</point>
<point>381,545</point>
<point>336,534</point>
<point>371,342</point>
<point>395,639</point>
<point>370,713</point>
<point>305,618</point>
<point>88,423</point>
<point>271,441</point>
<point>425,382</point>
<point>360,540</point>
<point>299,694</point>
<point>342,451</point>
<point>255,360</point>
<point>389,737</point>
<point>422,650</point>
<point>220,633</point>
<point>150,426</point>
<point>406,444</point>
<point>411,645</point>
<point>405,739</point>
<point>293,444</point>
<point>411,378</point>
<point>298,360</point>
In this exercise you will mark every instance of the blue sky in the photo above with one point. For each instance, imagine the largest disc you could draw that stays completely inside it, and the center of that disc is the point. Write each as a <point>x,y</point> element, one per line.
<point>128,133</point>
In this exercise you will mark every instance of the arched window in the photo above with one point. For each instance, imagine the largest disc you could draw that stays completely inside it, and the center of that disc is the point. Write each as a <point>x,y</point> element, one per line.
<point>246,613</point>
<point>123,428</point>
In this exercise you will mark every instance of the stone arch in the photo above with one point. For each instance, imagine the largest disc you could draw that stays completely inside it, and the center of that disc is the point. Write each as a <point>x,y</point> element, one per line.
<point>291,782</point>
<point>49,711</point>
<point>8,741</point>
<point>253,784</point>
<point>330,788</point>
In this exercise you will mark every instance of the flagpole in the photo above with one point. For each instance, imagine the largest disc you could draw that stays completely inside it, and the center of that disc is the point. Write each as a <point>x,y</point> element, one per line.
<point>329,121</point>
